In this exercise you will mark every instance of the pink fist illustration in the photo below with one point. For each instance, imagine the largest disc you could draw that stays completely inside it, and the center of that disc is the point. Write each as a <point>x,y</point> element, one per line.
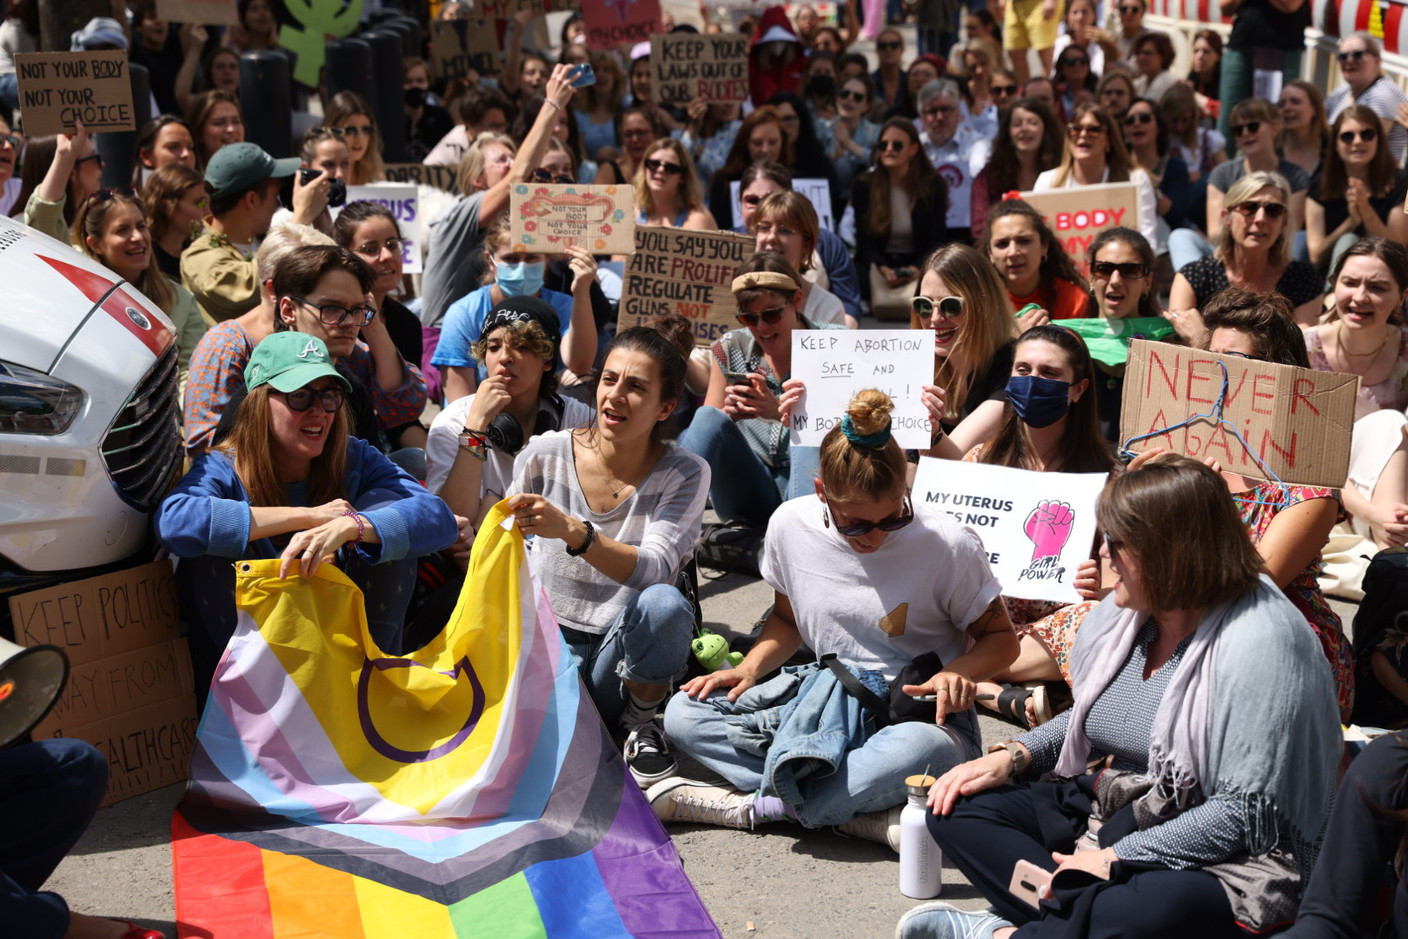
<point>1049,527</point>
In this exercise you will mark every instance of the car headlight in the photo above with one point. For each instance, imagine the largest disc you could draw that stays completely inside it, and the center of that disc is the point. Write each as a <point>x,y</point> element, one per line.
<point>34,403</point>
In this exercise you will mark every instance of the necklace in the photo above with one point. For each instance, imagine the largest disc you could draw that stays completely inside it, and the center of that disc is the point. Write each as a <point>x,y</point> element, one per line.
<point>1339,338</point>
<point>616,488</point>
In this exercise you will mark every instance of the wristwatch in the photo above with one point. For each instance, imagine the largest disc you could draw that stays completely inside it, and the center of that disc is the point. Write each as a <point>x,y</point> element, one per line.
<point>1021,759</point>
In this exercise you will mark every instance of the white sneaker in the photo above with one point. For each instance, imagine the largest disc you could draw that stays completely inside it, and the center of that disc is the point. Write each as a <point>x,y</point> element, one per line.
<point>686,800</point>
<point>648,755</point>
<point>882,827</point>
<point>940,920</point>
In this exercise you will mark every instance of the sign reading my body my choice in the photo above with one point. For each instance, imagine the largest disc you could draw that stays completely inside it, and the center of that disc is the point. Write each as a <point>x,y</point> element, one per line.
<point>835,364</point>
<point>1078,215</point>
<point>1035,527</point>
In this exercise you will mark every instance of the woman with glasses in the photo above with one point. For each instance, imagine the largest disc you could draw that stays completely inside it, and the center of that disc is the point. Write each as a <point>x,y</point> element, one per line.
<point>638,129</point>
<point>761,136</point>
<point>1122,282</point>
<point>962,299</point>
<point>350,113</point>
<point>1253,253</point>
<point>1113,93</point>
<point>1360,189</point>
<point>177,202</point>
<point>1082,30</point>
<point>1075,82</point>
<point>1030,141</point>
<point>854,133</point>
<point>111,228</point>
<point>900,209</point>
<point>667,189</point>
<point>1305,130</point>
<point>1187,677</point>
<point>1146,135</point>
<point>291,483</point>
<point>10,184</point>
<point>1042,280</point>
<point>58,173</point>
<point>862,574</point>
<point>786,222</point>
<point>215,119</point>
<point>739,430</point>
<point>1096,153</point>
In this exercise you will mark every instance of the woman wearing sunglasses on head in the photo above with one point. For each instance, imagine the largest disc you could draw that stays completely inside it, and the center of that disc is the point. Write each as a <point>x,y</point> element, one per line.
<point>1359,190</point>
<point>739,430</point>
<point>667,188</point>
<point>862,574</point>
<point>350,113</point>
<point>290,483</point>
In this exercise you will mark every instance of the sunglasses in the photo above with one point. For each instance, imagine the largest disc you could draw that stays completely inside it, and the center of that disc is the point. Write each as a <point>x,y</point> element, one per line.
<point>1138,117</point>
<point>1111,545</point>
<point>1129,270</point>
<point>1250,208</point>
<point>541,175</point>
<point>372,249</point>
<point>1081,130</point>
<point>947,307</point>
<point>889,46</point>
<point>301,400</point>
<point>1131,9</point>
<point>10,140</point>
<point>1366,134</point>
<point>1002,90</point>
<point>332,314</point>
<point>861,529</point>
<point>1243,355</point>
<point>320,131</point>
<point>103,195</point>
<point>1075,60</point>
<point>895,145</point>
<point>1356,56</point>
<point>355,131</point>
<point>94,157</point>
<point>1250,127</point>
<point>770,316</point>
<point>852,96</point>
<point>670,169</point>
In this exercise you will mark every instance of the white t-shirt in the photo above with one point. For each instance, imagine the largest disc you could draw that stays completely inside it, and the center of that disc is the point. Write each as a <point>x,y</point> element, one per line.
<point>823,306</point>
<point>443,444</point>
<point>918,593</point>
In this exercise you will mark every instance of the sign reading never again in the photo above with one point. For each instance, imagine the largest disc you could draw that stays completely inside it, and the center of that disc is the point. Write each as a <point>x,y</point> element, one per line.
<point>58,88</point>
<point>129,687</point>
<point>1297,421</point>
<point>686,272</point>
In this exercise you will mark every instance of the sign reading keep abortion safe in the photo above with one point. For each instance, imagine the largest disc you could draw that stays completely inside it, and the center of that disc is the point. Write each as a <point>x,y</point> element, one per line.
<point>1035,527</point>
<point>835,364</point>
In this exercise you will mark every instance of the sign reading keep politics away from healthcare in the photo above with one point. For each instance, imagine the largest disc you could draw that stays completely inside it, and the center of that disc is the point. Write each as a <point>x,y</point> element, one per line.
<point>1035,527</point>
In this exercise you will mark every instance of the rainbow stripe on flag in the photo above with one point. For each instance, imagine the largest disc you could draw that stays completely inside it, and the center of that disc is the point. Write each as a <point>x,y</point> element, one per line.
<point>468,789</point>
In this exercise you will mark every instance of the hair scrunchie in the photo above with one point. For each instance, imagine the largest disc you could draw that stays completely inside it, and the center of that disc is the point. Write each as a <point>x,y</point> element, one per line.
<point>875,440</point>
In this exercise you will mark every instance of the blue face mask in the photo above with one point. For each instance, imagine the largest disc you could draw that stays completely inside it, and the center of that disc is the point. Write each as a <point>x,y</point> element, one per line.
<point>523,279</point>
<point>1039,402</point>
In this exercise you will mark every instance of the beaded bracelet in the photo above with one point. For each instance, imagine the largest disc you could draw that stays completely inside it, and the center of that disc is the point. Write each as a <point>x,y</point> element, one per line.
<point>361,525</point>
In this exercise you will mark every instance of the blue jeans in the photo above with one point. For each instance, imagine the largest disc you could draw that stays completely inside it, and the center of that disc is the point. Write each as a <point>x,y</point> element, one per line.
<point>49,792</point>
<point>743,489</point>
<point>648,643</point>
<point>1186,246</point>
<point>871,777</point>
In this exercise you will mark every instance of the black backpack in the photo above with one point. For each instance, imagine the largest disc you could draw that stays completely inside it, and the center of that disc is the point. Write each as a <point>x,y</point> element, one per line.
<point>1385,600</point>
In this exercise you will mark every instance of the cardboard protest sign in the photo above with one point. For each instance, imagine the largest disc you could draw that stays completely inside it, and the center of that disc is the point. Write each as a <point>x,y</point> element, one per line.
<point>317,22</point>
<point>613,22</point>
<point>129,687</point>
<point>404,204</point>
<point>685,66</point>
<point>58,88</point>
<point>834,364</point>
<point>817,191</point>
<point>1035,527</point>
<point>505,9</point>
<point>1295,420</point>
<point>686,272</point>
<point>437,177</point>
<point>459,47</point>
<point>205,12</point>
<point>1078,215</point>
<point>548,217</point>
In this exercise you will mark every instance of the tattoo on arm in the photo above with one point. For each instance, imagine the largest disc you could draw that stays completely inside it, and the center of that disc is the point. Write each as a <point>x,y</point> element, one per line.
<point>991,620</point>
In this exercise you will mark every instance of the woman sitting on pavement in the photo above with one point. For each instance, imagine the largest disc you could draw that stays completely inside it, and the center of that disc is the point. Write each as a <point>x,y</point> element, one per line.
<point>667,189</point>
<point>739,430</point>
<point>474,439</point>
<point>1186,680</point>
<point>786,222</point>
<point>861,574</point>
<point>1359,190</point>
<point>627,506</point>
<point>1038,272</point>
<point>290,483</point>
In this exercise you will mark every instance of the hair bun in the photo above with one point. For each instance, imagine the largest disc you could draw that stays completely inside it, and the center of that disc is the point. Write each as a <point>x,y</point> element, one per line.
<point>869,415</point>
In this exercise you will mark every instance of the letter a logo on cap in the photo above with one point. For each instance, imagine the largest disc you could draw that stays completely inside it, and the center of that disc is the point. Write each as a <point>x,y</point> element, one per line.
<point>311,349</point>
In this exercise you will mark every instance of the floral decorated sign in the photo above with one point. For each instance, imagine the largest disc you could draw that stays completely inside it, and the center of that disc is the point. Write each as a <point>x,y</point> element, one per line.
<point>547,217</point>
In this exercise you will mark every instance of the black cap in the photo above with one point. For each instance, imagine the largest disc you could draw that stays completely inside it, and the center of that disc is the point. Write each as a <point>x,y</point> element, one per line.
<point>524,309</point>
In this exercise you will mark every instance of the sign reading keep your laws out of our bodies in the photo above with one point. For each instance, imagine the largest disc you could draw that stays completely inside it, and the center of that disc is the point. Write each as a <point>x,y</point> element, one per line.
<point>1078,215</point>
<point>835,364</point>
<point>1036,528</point>
<point>1297,421</point>
<point>685,66</point>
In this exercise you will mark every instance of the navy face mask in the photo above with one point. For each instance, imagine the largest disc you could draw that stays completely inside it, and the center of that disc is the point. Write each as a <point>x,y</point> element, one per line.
<point>1039,402</point>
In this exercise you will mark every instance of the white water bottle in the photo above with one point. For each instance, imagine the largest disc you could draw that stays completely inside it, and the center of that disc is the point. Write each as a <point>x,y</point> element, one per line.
<point>921,861</point>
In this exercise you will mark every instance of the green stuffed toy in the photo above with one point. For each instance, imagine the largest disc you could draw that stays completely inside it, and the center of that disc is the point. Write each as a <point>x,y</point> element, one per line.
<point>711,650</point>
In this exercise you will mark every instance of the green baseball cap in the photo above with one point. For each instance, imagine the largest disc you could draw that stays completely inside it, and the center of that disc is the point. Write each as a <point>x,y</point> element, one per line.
<point>288,361</point>
<point>239,166</point>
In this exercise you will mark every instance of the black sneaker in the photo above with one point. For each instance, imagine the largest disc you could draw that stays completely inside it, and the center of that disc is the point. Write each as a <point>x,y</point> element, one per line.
<point>648,756</point>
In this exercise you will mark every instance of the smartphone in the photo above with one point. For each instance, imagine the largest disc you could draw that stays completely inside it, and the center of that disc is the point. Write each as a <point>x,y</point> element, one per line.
<point>1028,881</point>
<point>737,378</point>
<point>585,76</point>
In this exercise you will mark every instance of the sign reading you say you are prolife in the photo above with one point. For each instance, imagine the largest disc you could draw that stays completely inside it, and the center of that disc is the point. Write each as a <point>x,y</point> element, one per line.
<point>547,217</point>
<point>1036,527</point>
<point>835,364</point>
<point>1297,421</point>
<point>674,270</point>
<point>58,88</point>
<point>685,66</point>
